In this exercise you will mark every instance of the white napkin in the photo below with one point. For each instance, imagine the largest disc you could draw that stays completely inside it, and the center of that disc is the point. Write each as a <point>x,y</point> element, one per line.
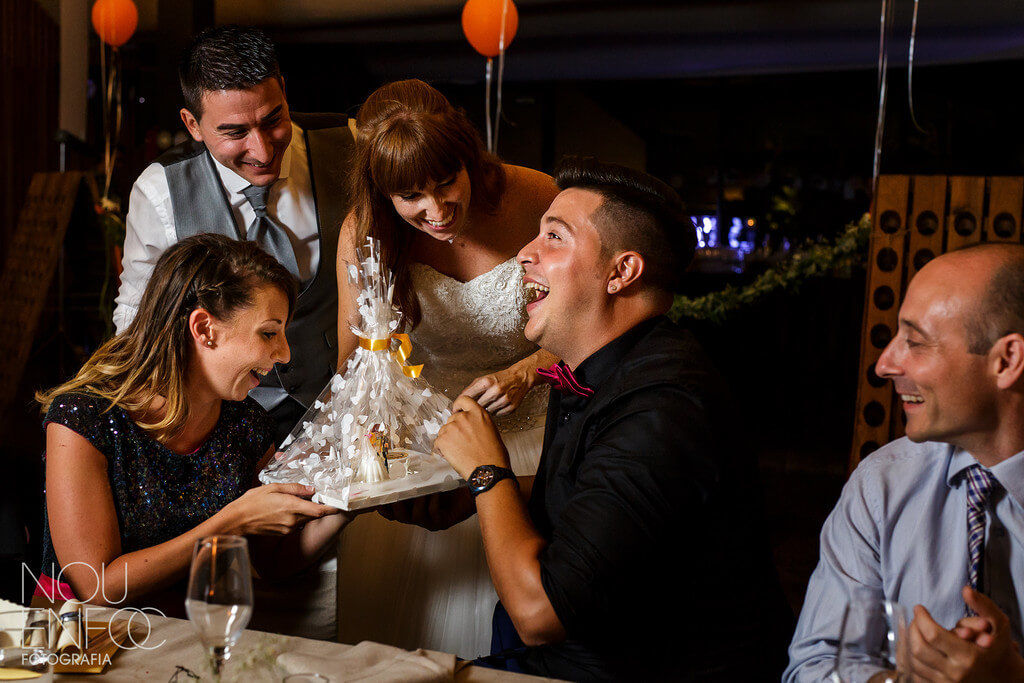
<point>70,618</point>
<point>60,633</point>
<point>372,662</point>
<point>10,624</point>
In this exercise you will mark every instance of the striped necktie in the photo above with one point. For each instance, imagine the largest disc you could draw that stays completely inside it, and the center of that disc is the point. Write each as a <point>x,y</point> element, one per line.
<point>979,487</point>
<point>267,232</point>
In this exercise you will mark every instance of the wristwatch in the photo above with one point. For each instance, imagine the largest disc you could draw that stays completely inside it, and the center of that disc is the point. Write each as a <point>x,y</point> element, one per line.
<point>484,477</point>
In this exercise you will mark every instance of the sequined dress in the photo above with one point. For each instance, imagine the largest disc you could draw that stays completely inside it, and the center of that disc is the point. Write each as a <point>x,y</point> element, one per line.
<point>159,494</point>
<point>403,585</point>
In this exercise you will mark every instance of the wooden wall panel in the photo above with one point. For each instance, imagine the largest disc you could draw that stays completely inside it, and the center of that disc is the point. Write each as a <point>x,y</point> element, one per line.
<point>1005,199</point>
<point>885,285</point>
<point>927,221</point>
<point>926,235</point>
<point>945,213</point>
<point>31,263</point>
<point>966,207</point>
<point>29,52</point>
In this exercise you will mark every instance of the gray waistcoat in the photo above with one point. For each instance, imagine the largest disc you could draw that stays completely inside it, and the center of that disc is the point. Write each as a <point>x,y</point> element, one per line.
<point>201,206</point>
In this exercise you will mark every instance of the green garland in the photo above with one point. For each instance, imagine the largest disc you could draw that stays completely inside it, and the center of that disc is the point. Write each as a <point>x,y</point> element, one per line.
<point>814,261</point>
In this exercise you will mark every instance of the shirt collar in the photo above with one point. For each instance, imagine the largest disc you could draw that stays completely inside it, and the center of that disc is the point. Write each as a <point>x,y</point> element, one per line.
<point>232,182</point>
<point>1009,473</point>
<point>959,460</point>
<point>599,365</point>
<point>235,183</point>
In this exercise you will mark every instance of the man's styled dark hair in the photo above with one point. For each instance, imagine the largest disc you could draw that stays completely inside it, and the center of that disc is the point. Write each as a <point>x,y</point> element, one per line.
<point>225,58</point>
<point>639,213</point>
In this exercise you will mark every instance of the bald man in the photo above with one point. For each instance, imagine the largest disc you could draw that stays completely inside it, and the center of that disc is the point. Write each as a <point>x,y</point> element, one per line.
<point>935,520</point>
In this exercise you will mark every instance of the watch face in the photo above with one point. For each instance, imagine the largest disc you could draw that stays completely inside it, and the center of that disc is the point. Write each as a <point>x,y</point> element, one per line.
<point>482,478</point>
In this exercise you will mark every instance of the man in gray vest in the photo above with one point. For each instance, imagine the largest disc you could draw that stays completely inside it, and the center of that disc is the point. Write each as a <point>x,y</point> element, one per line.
<point>253,171</point>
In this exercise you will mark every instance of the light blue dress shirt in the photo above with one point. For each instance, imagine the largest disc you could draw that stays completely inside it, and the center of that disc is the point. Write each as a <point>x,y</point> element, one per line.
<point>900,530</point>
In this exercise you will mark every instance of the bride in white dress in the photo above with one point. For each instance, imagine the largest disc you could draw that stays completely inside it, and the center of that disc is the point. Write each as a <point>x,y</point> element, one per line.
<point>450,218</point>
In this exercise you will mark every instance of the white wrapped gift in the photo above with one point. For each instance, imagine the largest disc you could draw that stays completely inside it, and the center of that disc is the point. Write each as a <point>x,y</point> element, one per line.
<point>368,438</point>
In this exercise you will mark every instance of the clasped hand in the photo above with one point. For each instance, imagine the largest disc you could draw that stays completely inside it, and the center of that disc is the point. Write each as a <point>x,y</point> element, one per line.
<point>978,648</point>
<point>501,392</point>
<point>470,439</point>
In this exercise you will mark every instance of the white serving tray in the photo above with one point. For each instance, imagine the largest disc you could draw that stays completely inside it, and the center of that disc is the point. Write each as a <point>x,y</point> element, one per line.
<point>432,475</point>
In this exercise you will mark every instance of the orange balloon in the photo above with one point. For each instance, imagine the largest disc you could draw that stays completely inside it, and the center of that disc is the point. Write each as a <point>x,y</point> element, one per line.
<point>115,20</point>
<point>481,22</point>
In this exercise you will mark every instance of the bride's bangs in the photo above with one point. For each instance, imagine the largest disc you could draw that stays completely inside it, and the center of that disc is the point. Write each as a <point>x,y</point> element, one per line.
<point>409,157</point>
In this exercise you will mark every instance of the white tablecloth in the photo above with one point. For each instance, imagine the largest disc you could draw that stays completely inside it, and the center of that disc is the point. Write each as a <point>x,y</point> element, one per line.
<point>252,659</point>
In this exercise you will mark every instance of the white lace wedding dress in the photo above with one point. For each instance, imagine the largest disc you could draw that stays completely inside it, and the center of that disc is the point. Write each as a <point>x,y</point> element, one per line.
<point>403,585</point>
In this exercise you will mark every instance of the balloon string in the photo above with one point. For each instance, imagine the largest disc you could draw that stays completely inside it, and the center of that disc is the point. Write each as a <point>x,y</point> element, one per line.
<point>497,111</point>
<point>118,111</point>
<point>910,70</point>
<point>883,37</point>
<point>501,31</point>
<point>113,125</point>
<point>104,82</point>
<point>883,64</point>
<point>501,72</point>
<point>487,104</point>
<point>110,80</point>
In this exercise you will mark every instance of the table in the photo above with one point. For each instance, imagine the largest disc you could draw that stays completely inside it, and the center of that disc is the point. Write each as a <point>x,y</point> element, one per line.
<point>252,659</point>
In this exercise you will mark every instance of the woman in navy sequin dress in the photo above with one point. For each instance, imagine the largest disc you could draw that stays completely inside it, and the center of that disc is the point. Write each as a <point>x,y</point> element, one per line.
<point>154,444</point>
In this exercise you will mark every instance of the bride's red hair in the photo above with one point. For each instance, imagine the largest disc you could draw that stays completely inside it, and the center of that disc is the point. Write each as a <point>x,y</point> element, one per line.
<point>409,135</point>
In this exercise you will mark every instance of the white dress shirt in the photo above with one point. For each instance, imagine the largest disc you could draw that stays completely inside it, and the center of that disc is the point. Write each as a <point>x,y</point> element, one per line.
<point>899,532</point>
<point>150,225</point>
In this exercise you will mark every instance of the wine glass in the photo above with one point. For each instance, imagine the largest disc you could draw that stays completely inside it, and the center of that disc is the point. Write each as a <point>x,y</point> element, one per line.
<point>27,639</point>
<point>219,599</point>
<point>873,641</point>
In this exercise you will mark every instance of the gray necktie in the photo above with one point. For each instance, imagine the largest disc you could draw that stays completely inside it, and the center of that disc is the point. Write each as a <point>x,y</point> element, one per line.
<point>267,232</point>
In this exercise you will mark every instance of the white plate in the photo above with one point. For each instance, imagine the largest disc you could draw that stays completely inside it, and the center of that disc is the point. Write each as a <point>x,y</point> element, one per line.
<point>432,475</point>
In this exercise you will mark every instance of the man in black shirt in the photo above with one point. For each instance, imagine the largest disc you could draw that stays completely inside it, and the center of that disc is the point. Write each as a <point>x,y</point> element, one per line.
<point>635,553</point>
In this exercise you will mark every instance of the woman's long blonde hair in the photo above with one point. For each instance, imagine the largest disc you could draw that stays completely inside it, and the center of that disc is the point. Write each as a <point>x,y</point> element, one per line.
<point>409,135</point>
<point>150,359</point>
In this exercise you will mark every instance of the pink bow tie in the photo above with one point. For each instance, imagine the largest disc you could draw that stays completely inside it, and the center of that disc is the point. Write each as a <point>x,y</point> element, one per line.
<point>561,378</point>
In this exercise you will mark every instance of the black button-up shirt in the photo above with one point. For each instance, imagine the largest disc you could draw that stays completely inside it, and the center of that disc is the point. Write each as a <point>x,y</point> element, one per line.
<point>655,564</point>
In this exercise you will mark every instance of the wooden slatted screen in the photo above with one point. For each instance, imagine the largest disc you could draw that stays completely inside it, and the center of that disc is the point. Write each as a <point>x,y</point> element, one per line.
<point>1005,196</point>
<point>29,52</point>
<point>916,219</point>
<point>30,264</point>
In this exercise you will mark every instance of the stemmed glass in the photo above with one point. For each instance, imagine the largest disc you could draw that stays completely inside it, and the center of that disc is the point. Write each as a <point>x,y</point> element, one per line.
<point>873,642</point>
<point>219,599</point>
<point>27,639</point>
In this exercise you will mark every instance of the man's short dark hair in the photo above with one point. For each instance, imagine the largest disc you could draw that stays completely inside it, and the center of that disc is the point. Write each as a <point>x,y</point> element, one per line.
<point>1001,312</point>
<point>225,58</point>
<point>638,213</point>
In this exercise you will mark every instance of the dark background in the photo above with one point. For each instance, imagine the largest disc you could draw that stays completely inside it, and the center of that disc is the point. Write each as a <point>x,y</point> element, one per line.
<point>733,103</point>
